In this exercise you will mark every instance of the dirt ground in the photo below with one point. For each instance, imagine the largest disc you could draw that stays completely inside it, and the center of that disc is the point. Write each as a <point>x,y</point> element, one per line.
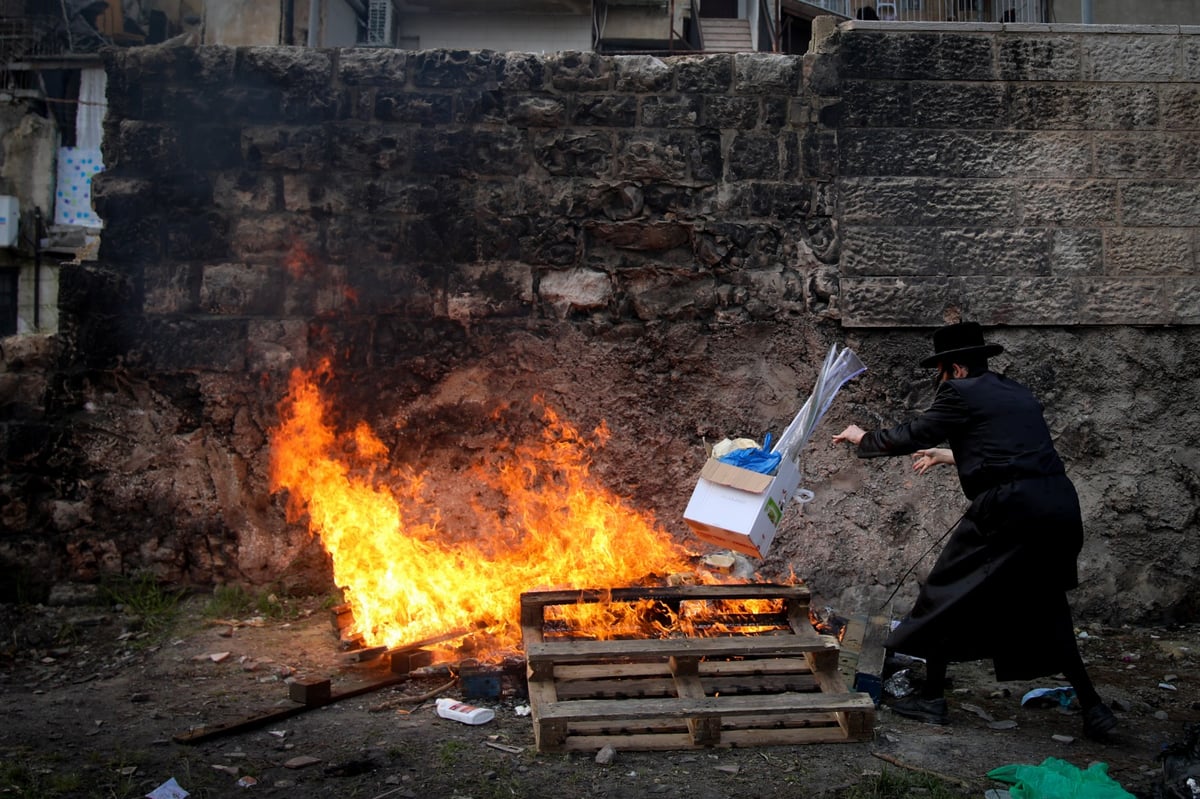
<point>92,706</point>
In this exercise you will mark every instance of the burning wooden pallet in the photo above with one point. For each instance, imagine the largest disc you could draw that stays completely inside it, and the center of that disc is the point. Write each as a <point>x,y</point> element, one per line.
<point>781,686</point>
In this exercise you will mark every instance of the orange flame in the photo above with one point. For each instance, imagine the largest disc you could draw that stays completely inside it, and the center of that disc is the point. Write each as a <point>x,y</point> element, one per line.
<point>541,520</point>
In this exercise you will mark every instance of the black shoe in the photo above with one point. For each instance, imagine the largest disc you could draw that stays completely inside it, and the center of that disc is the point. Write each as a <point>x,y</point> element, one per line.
<point>1098,722</point>
<point>930,711</point>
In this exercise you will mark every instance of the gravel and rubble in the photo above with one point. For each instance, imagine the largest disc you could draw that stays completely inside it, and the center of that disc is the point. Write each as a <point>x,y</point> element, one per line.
<point>94,702</point>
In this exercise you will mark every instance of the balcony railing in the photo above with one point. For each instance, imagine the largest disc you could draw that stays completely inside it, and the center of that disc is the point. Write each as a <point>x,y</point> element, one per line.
<point>948,10</point>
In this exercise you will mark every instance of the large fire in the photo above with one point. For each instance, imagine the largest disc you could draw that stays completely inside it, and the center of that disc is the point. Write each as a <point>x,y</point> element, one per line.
<point>545,524</point>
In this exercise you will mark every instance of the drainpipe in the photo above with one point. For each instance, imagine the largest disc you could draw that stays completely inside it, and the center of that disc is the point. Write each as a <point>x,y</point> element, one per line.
<point>314,21</point>
<point>37,269</point>
<point>1085,11</point>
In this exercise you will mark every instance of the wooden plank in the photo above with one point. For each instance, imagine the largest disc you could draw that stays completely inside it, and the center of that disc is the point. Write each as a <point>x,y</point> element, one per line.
<point>681,593</point>
<point>665,686</point>
<point>711,668</point>
<point>777,704</point>
<point>666,742</point>
<point>547,734</point>
<point>739,646</point>
<point>206,733</point>
<point>868,673</point>
<point>686,671</point>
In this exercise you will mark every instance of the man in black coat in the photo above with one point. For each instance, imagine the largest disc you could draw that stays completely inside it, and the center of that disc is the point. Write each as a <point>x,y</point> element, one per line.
<point>998,589</point>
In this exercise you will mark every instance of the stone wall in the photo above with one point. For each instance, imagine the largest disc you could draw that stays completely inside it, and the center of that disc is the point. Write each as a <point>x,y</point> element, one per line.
<point>670,246</point>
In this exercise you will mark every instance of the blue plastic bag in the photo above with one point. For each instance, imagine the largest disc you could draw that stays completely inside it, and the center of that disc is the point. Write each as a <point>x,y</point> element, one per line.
<point>760,460</point>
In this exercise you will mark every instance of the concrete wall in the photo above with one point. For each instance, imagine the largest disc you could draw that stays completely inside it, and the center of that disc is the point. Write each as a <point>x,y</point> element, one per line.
<point>668,246</point>
<point>241,22</point>
<point>529,33</point>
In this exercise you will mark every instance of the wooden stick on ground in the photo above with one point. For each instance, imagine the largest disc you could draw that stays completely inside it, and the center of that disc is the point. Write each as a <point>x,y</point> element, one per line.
<point>412,700</point>
<point>918,769</point>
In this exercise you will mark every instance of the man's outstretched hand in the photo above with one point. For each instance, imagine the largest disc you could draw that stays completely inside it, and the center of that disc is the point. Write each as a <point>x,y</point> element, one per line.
<point>926,459</point>
<point>852,434</point>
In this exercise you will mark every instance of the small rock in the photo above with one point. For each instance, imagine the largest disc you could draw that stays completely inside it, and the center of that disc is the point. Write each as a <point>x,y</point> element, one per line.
<point>1161,715</point>
<point>730,769</point>
<point>1063,739</point>
<point>606,755</point>
<point>1003,724</point>
<point>301,761</point>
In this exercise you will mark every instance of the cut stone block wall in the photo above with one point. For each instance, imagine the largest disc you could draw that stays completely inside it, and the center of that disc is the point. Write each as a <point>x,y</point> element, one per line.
<point>668,246</point>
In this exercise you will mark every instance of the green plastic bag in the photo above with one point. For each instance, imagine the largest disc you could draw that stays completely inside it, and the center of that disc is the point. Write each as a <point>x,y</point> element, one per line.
<point>1058,779</point>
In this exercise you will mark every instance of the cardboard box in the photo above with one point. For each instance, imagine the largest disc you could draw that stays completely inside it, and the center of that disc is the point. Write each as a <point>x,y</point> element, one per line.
<point>740,509</point>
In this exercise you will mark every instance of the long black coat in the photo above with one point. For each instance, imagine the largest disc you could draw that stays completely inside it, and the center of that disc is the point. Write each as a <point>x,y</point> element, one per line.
<point>997,591</point>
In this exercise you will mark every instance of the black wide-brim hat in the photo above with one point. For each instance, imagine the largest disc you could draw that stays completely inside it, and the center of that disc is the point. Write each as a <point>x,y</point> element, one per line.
<point>962,339</point>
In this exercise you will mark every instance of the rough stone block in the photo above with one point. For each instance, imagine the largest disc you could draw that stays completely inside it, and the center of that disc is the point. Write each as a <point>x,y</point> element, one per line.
<point>175,345</point>
<point>1095,107</point>
<point>1130,57</point>
<point>424,108</point>
<point>704,74</point>
<point>1183,301</point>
<point>730,112</point>
<point>915,56</point>
<point>1122,301</point>
<point>870,104</point>
<point>1146,252</point>
<point>819,155</point>
<point>1171,203</point>
<point>1034,57</point>
<point>642,74</point>
<point>240,289</point>
<point>673,111</point>
<point>456,69</point>
<point>571,71</point>
<point>605,110</point>
<point>930,251</point>
<point>754,156</point>
<point>964,153</point>
<point>156,147</point>
<point>650,156</point>
<point>1180,106</point>
<point>893,301</point>
<point>197,237</point>
<point>1148,154</point>
<point>469,152</point>
<point>772,200</point>
<point>274,147</point>
<point>927,201</point>
<point>1020,300</point>
<point>373,66</point>
<point>276,346</point>
<point>1076,252</point>
<point>573,152</point>
<point>284,67</point>
<point>170,288</point>
<point>765,73</point>
<point>1068,202</point>
<point>536,111</point>
<point>523,72</point>
<point>575,290</point>
<point>957,105</point>
<point>1190,57</point>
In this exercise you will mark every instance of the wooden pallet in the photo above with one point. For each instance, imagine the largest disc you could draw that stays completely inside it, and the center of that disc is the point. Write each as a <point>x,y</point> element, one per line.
<point>777,687</point>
